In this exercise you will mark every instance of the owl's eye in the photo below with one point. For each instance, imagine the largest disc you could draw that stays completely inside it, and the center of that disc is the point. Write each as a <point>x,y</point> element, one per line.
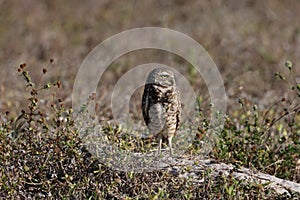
<point>164,76</point>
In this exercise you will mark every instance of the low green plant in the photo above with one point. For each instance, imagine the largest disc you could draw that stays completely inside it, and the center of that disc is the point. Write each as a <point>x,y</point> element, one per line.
<point>265,139</point>
<point>42,155</point>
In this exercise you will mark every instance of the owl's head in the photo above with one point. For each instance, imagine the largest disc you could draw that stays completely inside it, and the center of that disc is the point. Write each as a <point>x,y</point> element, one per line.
<point>161,77</point>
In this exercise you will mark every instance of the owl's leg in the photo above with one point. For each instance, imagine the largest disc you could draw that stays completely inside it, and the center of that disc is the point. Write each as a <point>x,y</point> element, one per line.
<point>159,145</point>
<point>170,145</point>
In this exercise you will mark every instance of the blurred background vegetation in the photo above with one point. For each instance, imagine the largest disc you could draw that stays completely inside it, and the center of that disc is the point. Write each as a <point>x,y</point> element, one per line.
<point>248,40</point>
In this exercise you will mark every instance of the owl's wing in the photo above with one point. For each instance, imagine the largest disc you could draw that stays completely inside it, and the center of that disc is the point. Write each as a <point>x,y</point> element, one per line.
<point>178,116</point>
<point>145,104</point>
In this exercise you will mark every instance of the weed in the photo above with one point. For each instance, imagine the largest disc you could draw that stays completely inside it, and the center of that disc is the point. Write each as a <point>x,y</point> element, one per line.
<point>42,155</point>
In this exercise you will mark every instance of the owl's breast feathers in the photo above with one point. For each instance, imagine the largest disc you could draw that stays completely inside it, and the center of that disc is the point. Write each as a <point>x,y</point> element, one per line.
<point>168,98</point>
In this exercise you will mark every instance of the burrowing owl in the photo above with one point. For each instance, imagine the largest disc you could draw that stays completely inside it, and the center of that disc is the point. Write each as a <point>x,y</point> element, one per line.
<point>161,105</point>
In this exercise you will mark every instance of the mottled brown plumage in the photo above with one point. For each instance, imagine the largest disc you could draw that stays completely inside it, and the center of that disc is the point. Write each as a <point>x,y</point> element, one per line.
<point>161,105</point>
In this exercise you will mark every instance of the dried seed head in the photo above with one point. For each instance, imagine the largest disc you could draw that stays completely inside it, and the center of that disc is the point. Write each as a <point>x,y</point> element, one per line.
<point>289,64</point>
<point>48,85</point>
<point>33,92</point>
<point>44,70</point>
<point>51,60</point>
<point>58,84</point>
<point>23,65</point>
